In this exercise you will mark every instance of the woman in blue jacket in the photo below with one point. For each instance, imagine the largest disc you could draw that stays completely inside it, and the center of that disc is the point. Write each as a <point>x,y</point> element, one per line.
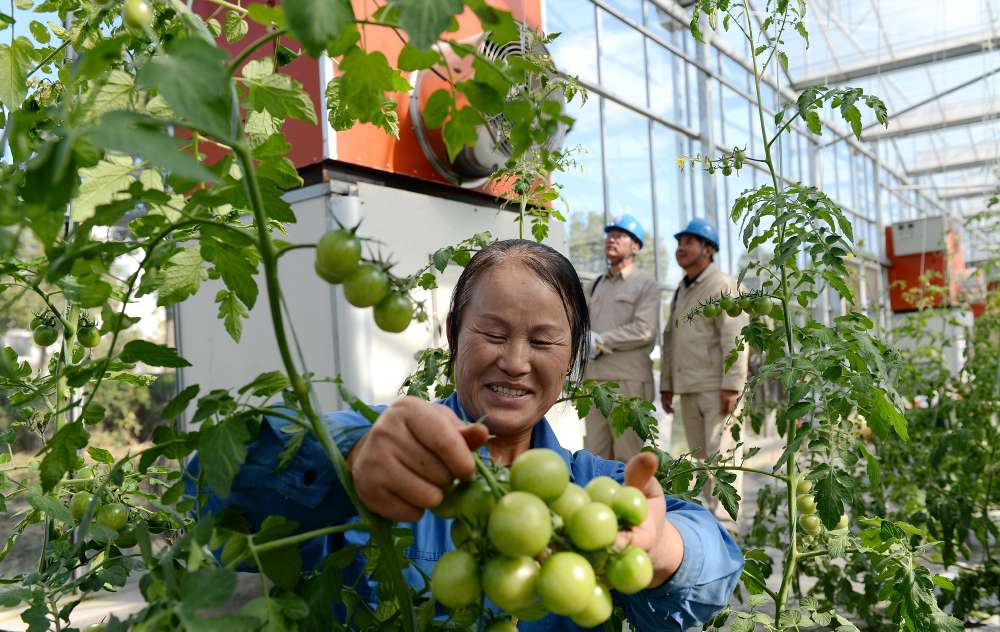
<point>517,327</point>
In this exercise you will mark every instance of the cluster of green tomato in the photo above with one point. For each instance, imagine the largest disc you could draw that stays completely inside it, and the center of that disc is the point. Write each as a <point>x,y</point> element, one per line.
<point>753,305</point>
<point>545,545</point>
<point>806,504</point>
<point>366,283</point>
<point>727,165</point>
<point>113,515</point>
<point>44,332</point>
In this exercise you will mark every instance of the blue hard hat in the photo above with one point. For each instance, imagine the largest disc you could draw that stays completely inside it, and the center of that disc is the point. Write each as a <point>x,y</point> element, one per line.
<point>702,228</point>
<point>628,224</point>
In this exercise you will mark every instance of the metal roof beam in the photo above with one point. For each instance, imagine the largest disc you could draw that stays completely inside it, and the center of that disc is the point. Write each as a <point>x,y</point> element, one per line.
<point>951,49</point>
<point>968,160</point>
<point>953,116</point>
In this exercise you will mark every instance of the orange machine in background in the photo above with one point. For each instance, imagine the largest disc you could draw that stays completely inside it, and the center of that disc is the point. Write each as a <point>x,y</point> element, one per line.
<point>925,250</point>
<point>418,154</point>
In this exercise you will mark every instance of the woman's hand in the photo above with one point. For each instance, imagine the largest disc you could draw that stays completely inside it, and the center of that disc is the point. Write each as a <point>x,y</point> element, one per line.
<point>656,535</point>
<point>415,450</point>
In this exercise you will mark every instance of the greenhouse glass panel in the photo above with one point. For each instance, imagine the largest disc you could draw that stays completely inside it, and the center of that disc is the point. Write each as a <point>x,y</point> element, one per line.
<point>671,215</point>
<point>623,71</point>
<point>583,190</point>
<point>629,179</point>
<point>575,50</point>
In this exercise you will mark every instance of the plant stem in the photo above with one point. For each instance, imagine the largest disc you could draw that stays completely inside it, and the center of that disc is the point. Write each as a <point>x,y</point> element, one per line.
<point>791,554</point>
<point>304,537</point>
<point>520,218</point>
<point>810,554</point>
<point>381,529</point>
<point>257,43</point>
<point>487,475</point>
<point>740,468</point>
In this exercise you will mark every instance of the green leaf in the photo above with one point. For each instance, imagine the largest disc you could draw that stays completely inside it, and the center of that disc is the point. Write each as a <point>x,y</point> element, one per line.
<point>482,96</point>
<point>102,184</point>
<point>279,94</point>
<point>235,27</point>
<point>139,135</point>
<point>192,77</point>
<point>460,130</point>
<point>425,20</point>
<point>813,123</point>
<point>180,277</point>
<point>60,453</point>
<point>180,401</point>
<point>16,62</point>
<point>237,266</point>
<point>413,58</point>
<point>437,108</point>
<point>50,506</point>
<point>152,354</point>
<point>266,15</point>
<point>315,23</point>
<point>266,384</point>
<point>206,587</point>
<point>93,413</point>
<point>90,292</point>
<point>232,313</point>
<point>365,80</point>
<point>223,449</point>
<point>783,58</point>
<point>101,455</point>
<point>834,489</point>
<point>882,416</point>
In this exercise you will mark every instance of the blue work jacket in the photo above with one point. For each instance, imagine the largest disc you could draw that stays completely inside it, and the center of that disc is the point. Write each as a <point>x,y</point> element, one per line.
<point>307,492</point>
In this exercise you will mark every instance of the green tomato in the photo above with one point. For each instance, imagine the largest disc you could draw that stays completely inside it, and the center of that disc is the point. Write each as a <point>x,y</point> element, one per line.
<point>762,306</point>
<point>730,306</point>
<point>804,486</point>
<point>451,504</point>
<point>631,571</point>
<point>630,505</point>
<point>137,14</point>
<point>811,524</point>
<point>602,489</point>
<point>394,312</point>
<point>501,625</point>
<point>520,525</point>
<point>44,335</point>
<point>462,534</point>
<point>509,582</point>
<point>337,255</point>
<point>113,516</point>
<point>713,310</point>
<point>598,608</point>
<point>593,526</point>
<point>746,303</point>
<point>477,501</point>
<point>739,156</point>
<point>455,580</point>
<point>78,504</point>
<point>36,321</point>
<point>541,472</point>
<point>566,583</point>
<point>727,170</point>
<point>88,336</point>
<point>126,538</point>
<point>843,523</point>
<point>366,286</point>
<point>572,498</point>
<point>806,503</point>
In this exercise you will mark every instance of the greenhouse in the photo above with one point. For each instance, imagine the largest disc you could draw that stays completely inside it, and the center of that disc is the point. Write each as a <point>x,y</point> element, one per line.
<point>499,315</point>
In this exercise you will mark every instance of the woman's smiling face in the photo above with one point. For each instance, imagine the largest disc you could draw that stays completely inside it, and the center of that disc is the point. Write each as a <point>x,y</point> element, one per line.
<point>514,349</point>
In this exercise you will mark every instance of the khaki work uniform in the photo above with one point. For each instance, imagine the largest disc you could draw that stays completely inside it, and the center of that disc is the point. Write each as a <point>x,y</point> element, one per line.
<point>692,366</point>
<point>624,311</point>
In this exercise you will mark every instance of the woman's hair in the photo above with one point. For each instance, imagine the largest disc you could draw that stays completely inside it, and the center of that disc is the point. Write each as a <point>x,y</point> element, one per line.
<point>551,268</point>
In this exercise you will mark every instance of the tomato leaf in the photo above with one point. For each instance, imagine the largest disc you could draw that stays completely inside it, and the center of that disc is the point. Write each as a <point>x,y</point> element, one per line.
<point>232,313</point>
<point>279,94</point>
<point>206,587</point>
<point>425,20</point>
<point>235,27</point>
<point>413,58</point>
<point>315,23</point>
<point>140,135</point>
<point>16,61</point>
<point>180,277</point>
<point>152,354</point>
<point>180,401</point>
<point>437,108</point>
<point>192,77</point>
<point>60,453</point>
<point>223,449</point>
<point>834,489</point>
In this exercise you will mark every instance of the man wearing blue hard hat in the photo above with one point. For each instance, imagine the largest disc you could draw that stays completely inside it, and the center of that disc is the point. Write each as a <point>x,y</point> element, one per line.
<point>694,352</point>
<point>624,306</point>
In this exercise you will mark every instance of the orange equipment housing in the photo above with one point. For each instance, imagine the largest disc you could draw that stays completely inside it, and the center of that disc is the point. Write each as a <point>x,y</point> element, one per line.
<point>925,250</point>
<point>317,150</point>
